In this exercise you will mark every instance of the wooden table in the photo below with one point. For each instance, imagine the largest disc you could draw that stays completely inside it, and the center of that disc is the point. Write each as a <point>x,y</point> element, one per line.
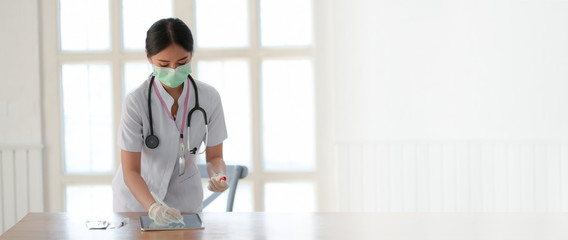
<point>353,226</point>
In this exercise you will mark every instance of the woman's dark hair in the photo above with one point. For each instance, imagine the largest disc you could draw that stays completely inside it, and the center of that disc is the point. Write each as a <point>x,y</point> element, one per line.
<point>166,31</point>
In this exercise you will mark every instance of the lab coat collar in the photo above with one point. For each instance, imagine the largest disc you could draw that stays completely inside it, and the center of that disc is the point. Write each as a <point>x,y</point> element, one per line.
<point>169,100</point>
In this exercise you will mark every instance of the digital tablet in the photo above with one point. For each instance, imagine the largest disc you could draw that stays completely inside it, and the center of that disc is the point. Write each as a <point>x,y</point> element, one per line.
<point>191,221</point>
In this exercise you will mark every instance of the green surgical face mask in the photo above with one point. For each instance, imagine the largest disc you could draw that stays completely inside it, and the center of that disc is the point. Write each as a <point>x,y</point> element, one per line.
<point>172,77</point>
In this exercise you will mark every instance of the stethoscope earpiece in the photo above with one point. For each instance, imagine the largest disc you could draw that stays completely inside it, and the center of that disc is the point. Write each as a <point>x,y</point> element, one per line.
<point>152,141</point>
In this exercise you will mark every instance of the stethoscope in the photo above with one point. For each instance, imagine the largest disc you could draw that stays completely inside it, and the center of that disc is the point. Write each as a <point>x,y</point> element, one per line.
<point>152,140</point>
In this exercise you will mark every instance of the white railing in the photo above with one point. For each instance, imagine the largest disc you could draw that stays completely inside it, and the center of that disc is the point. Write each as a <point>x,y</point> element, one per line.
<point>453,176</point>
<point>21,183</point>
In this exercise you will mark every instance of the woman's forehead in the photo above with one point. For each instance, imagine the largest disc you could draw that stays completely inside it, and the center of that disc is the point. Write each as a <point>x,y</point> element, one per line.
<point>173,52</point>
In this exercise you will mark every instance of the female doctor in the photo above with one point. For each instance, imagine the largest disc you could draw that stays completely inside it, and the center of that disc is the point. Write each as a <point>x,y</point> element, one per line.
<point>164,122</point>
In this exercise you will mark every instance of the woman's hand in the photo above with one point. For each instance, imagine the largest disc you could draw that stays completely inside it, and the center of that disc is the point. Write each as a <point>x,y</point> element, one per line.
<point>164,215</point>
<point>218,183</point>
<point>216,169</point>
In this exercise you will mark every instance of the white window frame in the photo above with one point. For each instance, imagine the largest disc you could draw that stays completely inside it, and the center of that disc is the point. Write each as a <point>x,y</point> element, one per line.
<point>52,60</point>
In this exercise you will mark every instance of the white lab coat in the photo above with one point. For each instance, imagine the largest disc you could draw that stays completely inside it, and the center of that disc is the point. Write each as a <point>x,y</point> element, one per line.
<point>159,166</point>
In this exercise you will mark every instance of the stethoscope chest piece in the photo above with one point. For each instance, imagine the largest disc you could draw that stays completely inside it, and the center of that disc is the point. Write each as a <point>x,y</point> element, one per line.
<point>152,141</point>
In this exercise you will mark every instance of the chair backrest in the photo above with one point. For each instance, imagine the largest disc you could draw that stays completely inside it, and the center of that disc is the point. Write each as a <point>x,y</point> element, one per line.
<point>234,173</point>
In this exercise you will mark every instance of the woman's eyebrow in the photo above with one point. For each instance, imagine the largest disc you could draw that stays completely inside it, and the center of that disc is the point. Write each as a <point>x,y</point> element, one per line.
<point>161,60</point>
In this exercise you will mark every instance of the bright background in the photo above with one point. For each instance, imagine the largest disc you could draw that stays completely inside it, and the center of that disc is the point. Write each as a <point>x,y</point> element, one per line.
<point>415,105</point>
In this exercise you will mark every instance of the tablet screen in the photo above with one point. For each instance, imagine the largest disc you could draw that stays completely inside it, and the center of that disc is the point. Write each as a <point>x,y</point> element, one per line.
<point>191,221</point>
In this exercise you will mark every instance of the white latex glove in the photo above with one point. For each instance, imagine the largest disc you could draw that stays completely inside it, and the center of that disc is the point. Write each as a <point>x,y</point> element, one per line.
<point>164,215</point>
<point>218,183</point>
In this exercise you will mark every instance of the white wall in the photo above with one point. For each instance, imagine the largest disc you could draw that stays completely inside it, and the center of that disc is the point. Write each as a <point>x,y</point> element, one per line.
<point>430,98</point>
<point>437,69</point>
<point>20,109</point>
<point>21,172</point>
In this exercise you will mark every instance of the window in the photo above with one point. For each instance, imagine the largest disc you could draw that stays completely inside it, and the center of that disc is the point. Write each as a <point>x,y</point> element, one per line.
<point>99,64</point>
<point>137,17</point>
<point>288,101</point>
<point>261,62</point>
<point>87,111</point>
<point>232,79</point>
<point>281,30</point>
<point>259,59</point>
<point>84,25</point>
<point>229,31</point>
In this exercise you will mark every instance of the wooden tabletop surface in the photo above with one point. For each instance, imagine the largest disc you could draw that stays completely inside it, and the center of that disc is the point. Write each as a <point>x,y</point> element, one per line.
<point>259,225</point>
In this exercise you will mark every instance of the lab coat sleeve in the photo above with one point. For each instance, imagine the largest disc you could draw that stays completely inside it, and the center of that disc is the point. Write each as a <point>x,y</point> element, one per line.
<point>130,134</point>
<point>217,127</point>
